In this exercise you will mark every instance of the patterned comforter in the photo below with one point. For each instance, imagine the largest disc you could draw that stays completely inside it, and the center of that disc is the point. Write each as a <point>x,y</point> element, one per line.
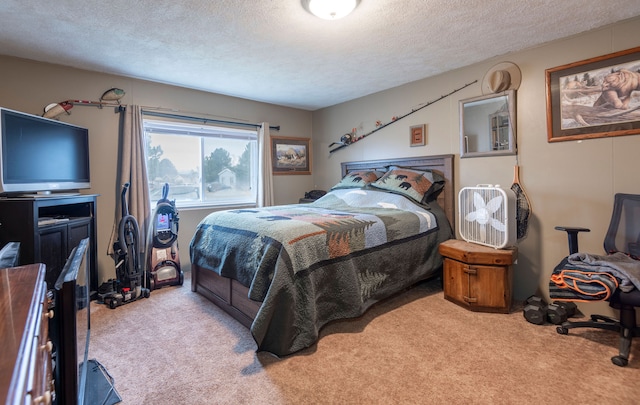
<point>313,263</point>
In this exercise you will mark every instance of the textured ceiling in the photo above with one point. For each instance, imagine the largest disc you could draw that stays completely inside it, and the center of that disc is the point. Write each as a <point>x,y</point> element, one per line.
<point>276,52</point>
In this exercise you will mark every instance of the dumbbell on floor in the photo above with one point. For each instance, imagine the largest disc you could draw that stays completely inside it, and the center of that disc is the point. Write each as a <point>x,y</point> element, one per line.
<point>538,312</point>
<point>535,310</point>
<point>559,311</point>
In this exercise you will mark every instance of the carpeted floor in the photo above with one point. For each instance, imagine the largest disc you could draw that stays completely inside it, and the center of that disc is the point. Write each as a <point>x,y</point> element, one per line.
<point>417,348</point>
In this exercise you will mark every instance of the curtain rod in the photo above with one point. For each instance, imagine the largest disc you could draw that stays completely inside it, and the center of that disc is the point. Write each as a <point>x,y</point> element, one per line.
<point>199,119</point>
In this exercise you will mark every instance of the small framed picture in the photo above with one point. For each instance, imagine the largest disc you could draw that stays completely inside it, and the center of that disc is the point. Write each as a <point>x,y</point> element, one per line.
<point>290,155</point>
<point>418,135</point>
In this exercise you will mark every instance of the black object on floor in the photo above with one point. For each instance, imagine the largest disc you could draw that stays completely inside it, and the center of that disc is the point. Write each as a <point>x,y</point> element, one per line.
<point>100,389</point>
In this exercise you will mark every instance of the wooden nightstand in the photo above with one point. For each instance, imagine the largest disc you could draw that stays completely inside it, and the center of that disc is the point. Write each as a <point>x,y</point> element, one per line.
<point>478,277</point>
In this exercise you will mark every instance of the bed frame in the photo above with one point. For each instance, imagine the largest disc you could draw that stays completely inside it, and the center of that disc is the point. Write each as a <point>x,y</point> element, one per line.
<point>232,297</point>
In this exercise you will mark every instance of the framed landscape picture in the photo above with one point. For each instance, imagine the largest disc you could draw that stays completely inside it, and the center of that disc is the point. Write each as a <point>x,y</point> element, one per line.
<point>594,98</point>
<point>290,155</point>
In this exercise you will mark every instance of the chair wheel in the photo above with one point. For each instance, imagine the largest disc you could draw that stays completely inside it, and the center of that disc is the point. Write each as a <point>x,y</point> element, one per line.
<point>562,330</point>
<point>619,361</point>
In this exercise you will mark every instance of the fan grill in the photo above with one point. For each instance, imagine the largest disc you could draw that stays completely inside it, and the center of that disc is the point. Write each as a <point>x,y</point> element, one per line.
<point>487,216</point>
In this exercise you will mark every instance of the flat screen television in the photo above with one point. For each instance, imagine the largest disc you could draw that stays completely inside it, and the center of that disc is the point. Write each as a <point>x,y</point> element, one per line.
<point>72,327</point>
<point>41,155</point>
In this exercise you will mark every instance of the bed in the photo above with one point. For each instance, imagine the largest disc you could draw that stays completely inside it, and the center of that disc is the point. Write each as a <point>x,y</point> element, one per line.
<point>285,272</point>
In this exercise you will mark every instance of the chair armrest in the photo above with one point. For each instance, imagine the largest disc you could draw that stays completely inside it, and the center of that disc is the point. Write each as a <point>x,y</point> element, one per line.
<point>572,236</point>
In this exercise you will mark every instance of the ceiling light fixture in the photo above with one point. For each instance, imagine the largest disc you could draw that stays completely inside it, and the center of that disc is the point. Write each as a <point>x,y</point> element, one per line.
<point>330,9</point>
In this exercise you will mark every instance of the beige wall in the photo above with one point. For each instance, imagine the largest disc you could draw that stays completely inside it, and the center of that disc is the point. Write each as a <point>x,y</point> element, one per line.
<point>568,183</point>
<point>29,86</point>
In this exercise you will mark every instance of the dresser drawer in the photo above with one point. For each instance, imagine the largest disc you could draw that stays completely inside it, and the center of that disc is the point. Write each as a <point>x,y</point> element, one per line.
<point>25,360</point>
<point>43,387</point>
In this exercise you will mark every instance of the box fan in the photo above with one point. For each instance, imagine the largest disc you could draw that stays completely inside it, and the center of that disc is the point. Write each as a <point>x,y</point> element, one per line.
<point>487,215</point>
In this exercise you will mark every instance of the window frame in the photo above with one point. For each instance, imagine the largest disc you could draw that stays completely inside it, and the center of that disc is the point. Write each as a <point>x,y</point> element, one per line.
<point>205,131</point>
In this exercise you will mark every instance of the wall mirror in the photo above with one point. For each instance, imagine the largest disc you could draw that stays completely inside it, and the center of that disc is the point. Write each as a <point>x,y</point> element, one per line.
<point>487,125</point>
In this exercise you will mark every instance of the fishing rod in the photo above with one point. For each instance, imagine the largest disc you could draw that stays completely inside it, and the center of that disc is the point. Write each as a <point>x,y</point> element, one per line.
<point>110,98</point>
<point>347,139</point>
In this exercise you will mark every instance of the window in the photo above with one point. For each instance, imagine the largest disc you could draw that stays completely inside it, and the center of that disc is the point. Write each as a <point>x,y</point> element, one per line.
<point>204,165</point>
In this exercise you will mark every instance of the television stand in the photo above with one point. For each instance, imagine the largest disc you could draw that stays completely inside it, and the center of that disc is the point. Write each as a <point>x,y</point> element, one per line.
<point>27,220</point>
<point>46,195</point>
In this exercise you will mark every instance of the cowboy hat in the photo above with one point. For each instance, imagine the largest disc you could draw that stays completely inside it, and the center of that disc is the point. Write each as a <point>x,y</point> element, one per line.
<point>503,76</point>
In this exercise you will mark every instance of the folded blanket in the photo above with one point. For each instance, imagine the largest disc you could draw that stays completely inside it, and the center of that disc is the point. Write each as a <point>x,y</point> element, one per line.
<point>618,264</point>
<point>571,284</point>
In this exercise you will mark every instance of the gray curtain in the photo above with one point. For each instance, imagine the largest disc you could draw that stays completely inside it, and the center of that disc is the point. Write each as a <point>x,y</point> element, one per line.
<point>265,181</point>
<point>132,169</point>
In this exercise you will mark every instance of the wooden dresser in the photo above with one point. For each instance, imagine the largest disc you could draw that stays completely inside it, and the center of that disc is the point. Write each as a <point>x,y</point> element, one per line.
<point>478,277</point>
<point>25,358</point>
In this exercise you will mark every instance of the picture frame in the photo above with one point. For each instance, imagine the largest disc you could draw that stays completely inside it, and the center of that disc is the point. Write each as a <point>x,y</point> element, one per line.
<point>417,135</point>
<point>593,98</point>
<point>290,155</point>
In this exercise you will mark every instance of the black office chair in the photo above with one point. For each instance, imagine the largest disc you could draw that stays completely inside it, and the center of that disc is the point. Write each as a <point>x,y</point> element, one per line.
<point>623,236</point>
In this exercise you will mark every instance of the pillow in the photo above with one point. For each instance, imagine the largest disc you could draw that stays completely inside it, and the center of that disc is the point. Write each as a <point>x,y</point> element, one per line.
<point>358,179</point>
<point>422,186</point>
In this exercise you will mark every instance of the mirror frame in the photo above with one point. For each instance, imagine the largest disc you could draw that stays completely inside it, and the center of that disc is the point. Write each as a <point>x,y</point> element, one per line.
<point>511,110</point>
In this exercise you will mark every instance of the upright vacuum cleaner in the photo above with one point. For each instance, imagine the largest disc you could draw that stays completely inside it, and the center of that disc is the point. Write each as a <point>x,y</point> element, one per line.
<point>163,258</point>
<point>128,285</point>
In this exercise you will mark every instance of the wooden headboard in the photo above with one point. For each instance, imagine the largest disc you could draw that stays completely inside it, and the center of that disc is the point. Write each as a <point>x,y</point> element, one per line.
<point>442,164</point>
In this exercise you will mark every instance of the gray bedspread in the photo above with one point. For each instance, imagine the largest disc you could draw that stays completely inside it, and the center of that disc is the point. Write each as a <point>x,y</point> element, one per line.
<point>313,263</point>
